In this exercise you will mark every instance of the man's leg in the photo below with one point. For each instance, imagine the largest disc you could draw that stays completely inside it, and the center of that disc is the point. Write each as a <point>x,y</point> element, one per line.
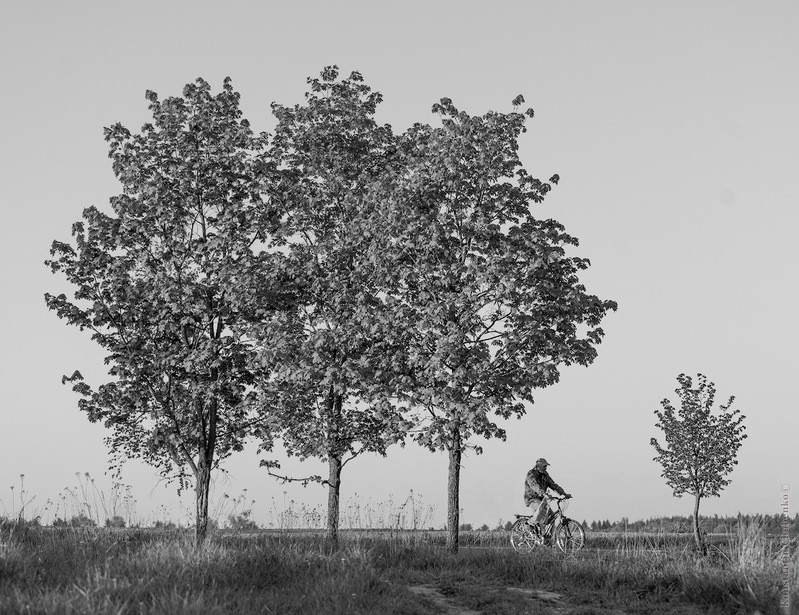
<point>543,512</point>
<point>535,506</point>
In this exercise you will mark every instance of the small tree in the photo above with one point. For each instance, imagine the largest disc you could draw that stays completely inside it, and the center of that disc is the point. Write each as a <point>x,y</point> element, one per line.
<point>700,447</point>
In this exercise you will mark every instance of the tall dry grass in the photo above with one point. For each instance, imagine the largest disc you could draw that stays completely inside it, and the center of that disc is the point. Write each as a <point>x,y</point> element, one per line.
<point>90,503</point>
<point>95,570</point>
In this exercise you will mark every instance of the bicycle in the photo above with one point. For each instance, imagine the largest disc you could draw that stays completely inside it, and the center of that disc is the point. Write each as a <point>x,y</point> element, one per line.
<point>558,530</point>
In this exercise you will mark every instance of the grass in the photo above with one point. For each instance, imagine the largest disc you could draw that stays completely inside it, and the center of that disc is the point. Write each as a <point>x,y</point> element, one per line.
<point>104,571</point>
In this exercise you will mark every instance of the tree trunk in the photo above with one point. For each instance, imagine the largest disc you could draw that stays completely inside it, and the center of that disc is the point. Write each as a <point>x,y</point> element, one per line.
<point>333,493</point>
<point>203,474</point>
<point>202,491</point>
<point>334,470</point>
<point>453,491</point>
<point>700,543</point>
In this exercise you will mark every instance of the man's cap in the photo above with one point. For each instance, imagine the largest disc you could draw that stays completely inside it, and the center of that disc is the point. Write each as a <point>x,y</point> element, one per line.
<point>542,461</point>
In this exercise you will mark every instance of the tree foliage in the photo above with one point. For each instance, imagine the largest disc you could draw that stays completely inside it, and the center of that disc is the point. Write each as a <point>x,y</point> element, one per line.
<point>326,363</point>
<point>156,281</point>
<point>486,301</point>
<point>329,285</point>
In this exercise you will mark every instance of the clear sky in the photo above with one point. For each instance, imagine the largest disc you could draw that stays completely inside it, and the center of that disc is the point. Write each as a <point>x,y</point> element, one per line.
<point>673,126</point>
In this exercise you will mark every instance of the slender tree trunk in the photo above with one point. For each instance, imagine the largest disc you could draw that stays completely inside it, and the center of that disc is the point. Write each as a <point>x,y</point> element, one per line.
<point>453,491</point>
<point>203,475</point>
<point>700,543</point>
<point>334,470</point>
<point>202,491</point>
<point>333,493</point>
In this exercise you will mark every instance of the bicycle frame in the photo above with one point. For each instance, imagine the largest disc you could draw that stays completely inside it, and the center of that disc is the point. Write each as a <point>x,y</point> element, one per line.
<point>554,518</point>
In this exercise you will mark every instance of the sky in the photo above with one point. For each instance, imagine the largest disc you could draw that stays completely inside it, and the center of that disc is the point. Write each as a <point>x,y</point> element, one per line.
<point>674,130</point>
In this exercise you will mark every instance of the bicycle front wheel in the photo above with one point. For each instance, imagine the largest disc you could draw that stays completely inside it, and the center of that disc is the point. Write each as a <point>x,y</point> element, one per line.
<point>522,537</point>
<point>570,537</point>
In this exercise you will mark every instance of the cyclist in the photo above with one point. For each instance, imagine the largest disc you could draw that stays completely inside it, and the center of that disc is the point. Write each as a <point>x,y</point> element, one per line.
<point>536,484</point>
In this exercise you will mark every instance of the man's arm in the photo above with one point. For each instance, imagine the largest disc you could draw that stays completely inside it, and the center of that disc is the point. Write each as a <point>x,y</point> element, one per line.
<point>551,484</point>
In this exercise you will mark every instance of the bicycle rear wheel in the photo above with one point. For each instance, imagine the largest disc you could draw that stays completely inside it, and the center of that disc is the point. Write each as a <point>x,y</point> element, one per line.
<point>523,538</point>
<point>570,536</point>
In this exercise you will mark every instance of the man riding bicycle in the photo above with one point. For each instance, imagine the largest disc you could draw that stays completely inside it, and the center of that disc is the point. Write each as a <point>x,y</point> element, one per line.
<point>536,484</point>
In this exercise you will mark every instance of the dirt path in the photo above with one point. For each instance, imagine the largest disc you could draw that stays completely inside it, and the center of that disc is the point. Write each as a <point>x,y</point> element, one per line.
<point>441,601</point>
<point>551,601</point>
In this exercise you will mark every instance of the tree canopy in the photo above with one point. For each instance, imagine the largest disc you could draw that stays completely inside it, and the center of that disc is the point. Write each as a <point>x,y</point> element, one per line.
<point>154,282</point>
<point>328,374</point>
<point>333,284</point>
<point>486,301</point>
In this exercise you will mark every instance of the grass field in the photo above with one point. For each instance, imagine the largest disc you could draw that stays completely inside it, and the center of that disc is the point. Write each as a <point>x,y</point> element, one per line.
<point>46,570</point>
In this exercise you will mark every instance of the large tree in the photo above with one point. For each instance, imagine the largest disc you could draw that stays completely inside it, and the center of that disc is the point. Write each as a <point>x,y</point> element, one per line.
<point>486,300</point>
<point>156,282</point>
<point>329,373</point>
<point>700,447</point>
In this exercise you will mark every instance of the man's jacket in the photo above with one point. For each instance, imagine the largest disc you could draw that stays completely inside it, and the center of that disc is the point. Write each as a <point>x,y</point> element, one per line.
<point>536,484</point>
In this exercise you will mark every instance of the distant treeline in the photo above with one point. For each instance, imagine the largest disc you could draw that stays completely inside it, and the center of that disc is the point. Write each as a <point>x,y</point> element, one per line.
<point>771,524</point>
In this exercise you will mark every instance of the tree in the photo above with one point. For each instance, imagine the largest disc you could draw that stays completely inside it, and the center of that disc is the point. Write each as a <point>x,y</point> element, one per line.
<point>486,301</point>
<point>81,520</point>
<point>328,368</point>
<point>156,283</point>
<point>700,447</point>
<point>115,521</point>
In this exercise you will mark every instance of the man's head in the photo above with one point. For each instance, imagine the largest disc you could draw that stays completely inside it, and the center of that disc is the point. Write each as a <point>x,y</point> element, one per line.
<point>541,464</point>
